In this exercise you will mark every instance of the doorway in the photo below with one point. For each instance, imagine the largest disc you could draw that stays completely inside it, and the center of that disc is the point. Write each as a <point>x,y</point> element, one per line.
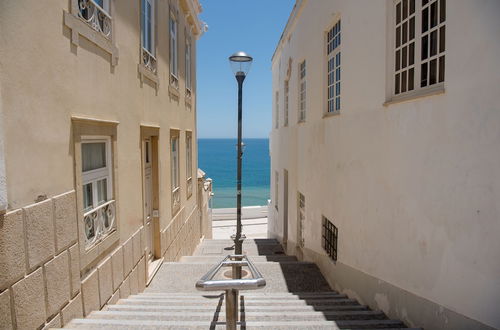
<point>285,209</point>
<point>150,203</point>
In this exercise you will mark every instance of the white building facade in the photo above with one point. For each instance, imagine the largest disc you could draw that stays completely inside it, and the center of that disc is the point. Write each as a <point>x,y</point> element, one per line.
<point>385,154</point>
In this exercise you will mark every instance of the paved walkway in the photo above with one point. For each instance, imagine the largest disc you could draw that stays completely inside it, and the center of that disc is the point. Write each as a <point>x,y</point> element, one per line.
<point>254,222</point>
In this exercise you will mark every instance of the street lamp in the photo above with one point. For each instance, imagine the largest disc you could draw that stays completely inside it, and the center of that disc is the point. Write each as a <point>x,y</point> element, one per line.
<point>240,64</point>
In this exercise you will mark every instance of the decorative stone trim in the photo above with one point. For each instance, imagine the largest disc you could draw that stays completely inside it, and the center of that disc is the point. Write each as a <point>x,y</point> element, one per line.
<point>94,127</point>
<point>174,92</point>
<point>145,72</point>
<point>80,28</point>
<point>188,99</point>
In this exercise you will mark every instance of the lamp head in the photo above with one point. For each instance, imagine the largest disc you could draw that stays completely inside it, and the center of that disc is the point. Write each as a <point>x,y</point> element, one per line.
<point>240,63</point>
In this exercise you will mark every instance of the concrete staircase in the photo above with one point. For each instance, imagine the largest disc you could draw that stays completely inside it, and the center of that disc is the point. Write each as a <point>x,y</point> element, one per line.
<point>296,297</point>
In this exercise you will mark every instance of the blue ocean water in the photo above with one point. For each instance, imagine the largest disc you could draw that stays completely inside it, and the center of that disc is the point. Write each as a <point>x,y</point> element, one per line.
<point>217,158</point>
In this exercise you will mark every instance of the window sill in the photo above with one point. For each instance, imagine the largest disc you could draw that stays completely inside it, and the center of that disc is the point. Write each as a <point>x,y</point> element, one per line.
<point>88,257</point>
<point>301,121</point>
<point>432,91</point>
<point>80,28</point>
<point>331,114</point>
<point>174,91</point>
<point>145,72</point>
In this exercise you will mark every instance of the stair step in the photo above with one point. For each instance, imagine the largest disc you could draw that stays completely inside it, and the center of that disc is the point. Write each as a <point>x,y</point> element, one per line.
<point>154,324</point>
<point>243,293</point>
<point>210,302</point>
<point>277,308</point>
<point>215,259</point>
<point>283,299</point>
<point>247,315</point>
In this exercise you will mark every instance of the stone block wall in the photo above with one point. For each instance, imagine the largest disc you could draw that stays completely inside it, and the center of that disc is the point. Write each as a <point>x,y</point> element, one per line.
<point>41,283</point>
<point>39,262</point>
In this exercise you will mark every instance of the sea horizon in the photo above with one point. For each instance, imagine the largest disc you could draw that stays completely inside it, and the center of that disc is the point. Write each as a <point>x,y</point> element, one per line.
<point>217,158</point>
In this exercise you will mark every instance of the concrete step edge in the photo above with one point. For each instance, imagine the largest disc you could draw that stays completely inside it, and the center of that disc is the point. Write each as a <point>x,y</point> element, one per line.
<point>246,309</point>
<point>284,300</point>
<point>247,313</point>
<point>299,302</point>
<point>245,293</point>
<point>336,324</point>
<point>256,262</point>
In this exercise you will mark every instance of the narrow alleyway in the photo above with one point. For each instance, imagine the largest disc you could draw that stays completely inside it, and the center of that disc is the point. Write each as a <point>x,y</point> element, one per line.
<point>296,297</point>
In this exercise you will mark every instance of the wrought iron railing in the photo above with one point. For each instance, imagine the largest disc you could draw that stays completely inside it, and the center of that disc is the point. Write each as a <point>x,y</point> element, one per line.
<point>95,16</point>
<point>176,200</point>
<point>189,186</point>
<point>99,222</point>
<point>232,286</point>
<point>149,60</point>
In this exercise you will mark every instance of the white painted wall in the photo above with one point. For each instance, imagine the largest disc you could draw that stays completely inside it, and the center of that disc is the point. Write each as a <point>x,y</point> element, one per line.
<point>3,178</point>
<point>413,187</point>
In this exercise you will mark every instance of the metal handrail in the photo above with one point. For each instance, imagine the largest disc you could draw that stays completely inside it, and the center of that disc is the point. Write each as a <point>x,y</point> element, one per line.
<point>232,286</point>
<point>206,282</point>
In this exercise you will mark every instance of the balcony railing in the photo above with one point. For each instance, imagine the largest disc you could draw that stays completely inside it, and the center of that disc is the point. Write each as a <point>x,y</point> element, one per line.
<point>148,60</point>
<point>99,222</point>
<point>95,16</point>
<point>232,286</point>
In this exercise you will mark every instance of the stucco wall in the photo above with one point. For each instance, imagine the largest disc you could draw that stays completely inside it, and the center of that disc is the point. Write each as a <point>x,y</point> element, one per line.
<point>48,84</point>
<point>3,179</point>
<point>413,187</point>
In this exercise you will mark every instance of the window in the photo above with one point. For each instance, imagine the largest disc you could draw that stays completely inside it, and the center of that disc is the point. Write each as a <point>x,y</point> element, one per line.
<point>104,4</point>
<point>329,237</point>
<point>98,24</point>
<point>97,14</point>
<point>148,34</point>
<point>302,91</point>
<point>286,89</point>
<point>98,204</point>
<point>333,65</point>
<point>173,51</point>
<point>433,42</point>
<point>419,52</point>
<point>301,217</point>
<point>189,163</point>
<point>174,171</point>
<point>276,189</point>
<point>277,111</point>
<point>188,65</point>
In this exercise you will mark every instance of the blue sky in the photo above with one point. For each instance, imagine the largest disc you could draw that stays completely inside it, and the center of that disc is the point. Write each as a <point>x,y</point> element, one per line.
<point>253,26</point>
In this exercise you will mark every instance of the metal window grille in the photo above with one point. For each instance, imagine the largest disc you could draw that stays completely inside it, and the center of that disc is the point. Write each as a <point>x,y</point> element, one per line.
<point>329,238</point>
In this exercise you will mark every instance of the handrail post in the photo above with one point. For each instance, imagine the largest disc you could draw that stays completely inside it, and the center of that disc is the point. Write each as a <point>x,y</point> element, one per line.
<point>231,309</point>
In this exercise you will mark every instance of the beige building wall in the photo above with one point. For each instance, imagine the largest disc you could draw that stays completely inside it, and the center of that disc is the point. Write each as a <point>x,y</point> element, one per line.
<point>413,186</point>
<point>60,81</point>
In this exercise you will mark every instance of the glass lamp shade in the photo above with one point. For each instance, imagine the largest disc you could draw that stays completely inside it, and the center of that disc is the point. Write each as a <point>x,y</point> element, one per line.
<point>240,63</point>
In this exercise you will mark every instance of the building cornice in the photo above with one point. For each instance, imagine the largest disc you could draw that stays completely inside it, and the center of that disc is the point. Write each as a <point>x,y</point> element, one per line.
<point>192,9</point>
<point>290,24</point>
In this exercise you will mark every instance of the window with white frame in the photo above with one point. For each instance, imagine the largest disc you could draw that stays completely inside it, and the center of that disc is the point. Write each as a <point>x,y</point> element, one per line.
<point>277,110</point>
<point>333,66</point>
<point>174,80</point>
<point>97,186</point>
<point>189,163</point>
<point>419,47</point>
<point>276,188</point>
<point>302,91</point>
<point>285,112</point>
<point>148,34</point>
<point>188,64</point>
<point>174,171</point>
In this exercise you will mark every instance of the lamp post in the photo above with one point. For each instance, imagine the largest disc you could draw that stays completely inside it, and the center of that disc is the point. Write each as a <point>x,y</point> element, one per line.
<point>240,64</point>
